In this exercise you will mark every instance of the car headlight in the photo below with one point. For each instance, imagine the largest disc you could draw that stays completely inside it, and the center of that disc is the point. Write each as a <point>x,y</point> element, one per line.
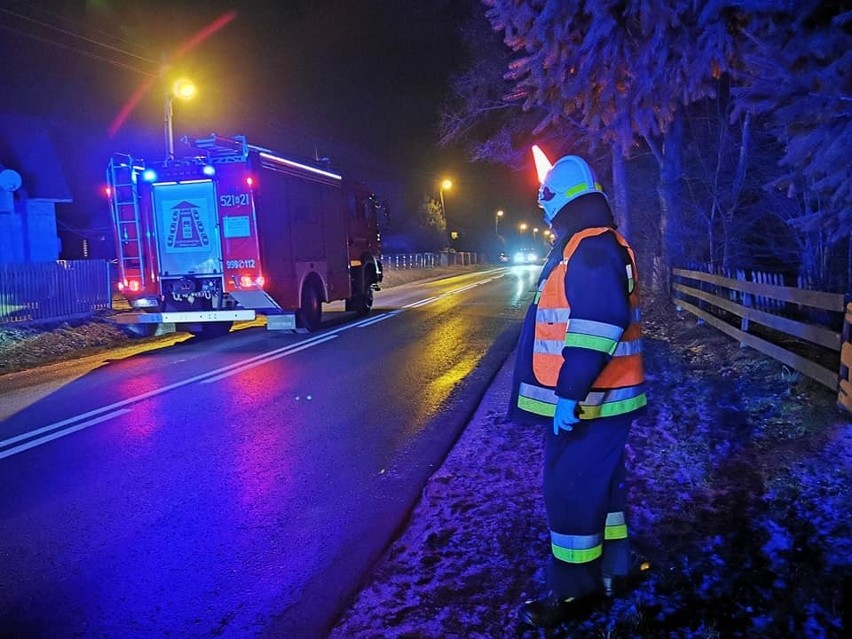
<point>519,258</point>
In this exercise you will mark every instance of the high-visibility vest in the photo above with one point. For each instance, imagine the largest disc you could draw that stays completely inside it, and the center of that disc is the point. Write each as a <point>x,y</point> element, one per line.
<point>620,386</point>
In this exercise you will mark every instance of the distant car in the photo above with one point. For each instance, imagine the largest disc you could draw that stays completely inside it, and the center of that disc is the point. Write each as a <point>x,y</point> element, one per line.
<point>526,256</point>
<point>502,257</point>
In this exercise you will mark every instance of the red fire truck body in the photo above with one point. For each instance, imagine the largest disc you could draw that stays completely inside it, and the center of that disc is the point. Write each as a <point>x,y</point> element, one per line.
<point>237,230</point>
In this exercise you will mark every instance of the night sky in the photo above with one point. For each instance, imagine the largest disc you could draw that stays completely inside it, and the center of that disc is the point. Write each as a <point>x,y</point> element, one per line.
<point>358,81</point>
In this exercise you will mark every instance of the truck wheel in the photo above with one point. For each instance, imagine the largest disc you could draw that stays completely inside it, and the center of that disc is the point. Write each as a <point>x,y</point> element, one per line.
<point>310,311</point>
<point>209,330</point>
<point>361,303</point>
<point>142,330</point>
<point>362,291</point>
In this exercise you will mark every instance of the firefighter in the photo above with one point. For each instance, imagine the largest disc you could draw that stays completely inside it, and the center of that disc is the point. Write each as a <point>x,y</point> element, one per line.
<point>579,370</point>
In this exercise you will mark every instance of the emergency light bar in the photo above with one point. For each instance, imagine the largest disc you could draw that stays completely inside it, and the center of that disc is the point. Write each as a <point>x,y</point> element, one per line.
<point>296,165</point>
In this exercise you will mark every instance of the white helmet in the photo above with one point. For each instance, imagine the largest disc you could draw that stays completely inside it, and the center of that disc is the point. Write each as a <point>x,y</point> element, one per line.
<point>569,178</point>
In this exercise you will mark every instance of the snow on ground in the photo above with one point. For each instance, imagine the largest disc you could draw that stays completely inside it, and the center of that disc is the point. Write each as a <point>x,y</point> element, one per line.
<point>740,502</point>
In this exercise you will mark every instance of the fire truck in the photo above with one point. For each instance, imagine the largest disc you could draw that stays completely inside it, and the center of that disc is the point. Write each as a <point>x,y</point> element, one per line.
<point>235,230</point>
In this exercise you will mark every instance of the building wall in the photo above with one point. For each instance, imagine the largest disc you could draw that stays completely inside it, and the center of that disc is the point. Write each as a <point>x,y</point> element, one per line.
<point>29,233</point>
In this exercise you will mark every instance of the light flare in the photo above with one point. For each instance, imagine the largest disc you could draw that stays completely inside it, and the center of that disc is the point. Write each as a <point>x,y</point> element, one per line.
<point>181,51</point>
<point>542,164</point>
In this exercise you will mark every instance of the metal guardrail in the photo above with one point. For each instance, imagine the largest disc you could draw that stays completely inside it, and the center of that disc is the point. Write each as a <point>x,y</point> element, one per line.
<point>53,291</point>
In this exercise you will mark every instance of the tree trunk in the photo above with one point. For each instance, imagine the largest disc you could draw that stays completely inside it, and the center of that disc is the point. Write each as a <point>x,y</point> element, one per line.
<point>619,187</point>
<point>670,196</point>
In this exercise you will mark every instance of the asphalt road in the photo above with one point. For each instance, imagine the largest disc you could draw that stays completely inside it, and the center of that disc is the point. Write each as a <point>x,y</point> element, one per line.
<point>241,486</point>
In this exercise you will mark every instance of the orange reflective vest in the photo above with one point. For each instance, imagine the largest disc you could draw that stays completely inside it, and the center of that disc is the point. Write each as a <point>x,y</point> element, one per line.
<point>619,388</point>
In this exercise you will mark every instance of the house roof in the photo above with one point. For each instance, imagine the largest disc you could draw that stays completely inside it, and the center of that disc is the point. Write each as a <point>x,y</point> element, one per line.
<point>27,147</point>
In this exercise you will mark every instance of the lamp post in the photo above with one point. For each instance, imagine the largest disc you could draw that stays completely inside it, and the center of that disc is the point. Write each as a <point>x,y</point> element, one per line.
<point>446,185</point>
<point>522,227</point>
<point>497,217</point>
<point>183,89</point>
<point>535,233</point>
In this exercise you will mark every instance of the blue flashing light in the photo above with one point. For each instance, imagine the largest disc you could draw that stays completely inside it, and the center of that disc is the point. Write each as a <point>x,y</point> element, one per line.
<point>209,170</point>
<point>149,175</point>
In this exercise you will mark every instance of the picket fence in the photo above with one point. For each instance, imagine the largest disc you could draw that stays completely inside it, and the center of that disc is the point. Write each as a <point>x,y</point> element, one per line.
<point>430,260</point>
<point>53,291</point>
<point>813,325</point>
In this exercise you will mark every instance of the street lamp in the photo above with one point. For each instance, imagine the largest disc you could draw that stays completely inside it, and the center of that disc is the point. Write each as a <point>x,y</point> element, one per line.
<point>497,217</point>
<point>535,232</point>
<point>446,185</point>
<point>522,227</point>
<point>185,90</point>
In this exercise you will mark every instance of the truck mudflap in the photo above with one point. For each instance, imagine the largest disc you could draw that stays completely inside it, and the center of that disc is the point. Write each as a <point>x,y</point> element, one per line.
<point>185,317</point>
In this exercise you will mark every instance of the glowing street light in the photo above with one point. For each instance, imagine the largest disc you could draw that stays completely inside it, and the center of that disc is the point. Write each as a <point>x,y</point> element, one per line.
<point>522,227</point>
<point>185,90</point>
<point>446,185</point>
<point>535,232</point>
<point>497,217</point>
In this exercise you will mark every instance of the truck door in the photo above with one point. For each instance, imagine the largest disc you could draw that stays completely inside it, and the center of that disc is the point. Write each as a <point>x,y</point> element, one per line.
<point>187,232</point>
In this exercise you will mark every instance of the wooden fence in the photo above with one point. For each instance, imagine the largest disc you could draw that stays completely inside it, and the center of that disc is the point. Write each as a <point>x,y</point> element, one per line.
<point>818,350</point>
<point>52,291</point>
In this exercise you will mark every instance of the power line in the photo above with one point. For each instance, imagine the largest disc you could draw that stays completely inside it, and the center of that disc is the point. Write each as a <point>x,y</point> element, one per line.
<point>81,37</point>
<point>89,54</point>
<point>69,47</point>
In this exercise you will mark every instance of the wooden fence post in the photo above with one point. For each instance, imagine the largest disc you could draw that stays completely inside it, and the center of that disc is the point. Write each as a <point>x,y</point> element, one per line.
<point>844,393</point>
<point>747,302</point>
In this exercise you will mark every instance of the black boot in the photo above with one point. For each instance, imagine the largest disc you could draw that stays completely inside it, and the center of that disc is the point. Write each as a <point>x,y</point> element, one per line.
<point>550,610</point>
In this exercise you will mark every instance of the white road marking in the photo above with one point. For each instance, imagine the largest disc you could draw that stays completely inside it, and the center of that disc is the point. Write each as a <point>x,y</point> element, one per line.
<point>265,360</point>
<point>103,414</point>
<point>47,438</point>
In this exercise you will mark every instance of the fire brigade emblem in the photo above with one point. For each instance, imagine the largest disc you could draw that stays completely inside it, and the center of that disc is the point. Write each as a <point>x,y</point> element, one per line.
<point>186,229</point>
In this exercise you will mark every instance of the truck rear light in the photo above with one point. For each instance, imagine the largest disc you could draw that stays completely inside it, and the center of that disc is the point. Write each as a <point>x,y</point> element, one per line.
<point>247,282</point>
<point>108,191</point>
<point>250,181</point>
<point>134,286</point>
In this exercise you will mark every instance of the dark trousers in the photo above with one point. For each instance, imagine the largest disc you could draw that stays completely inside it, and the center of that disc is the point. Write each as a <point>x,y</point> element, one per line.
<point>584,479</point>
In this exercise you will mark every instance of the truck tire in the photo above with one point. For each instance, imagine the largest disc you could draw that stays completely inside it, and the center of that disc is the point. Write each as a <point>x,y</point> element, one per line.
<point>210,330</point>
<point>142,330</point>
<point>310,311</point>
<point>361,303</point>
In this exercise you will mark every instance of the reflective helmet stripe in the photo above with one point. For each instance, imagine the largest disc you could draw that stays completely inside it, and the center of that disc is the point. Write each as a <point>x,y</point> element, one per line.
<point>583,187</point>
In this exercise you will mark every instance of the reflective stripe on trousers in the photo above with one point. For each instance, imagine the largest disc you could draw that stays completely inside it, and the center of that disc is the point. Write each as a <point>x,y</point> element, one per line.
<point>581,549</point>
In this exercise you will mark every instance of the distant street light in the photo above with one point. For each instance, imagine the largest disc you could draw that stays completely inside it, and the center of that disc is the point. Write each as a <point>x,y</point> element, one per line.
<point>185,90</point>
<point>535,232</point>
<point>497,217</point>
<point>446,185</point>
<point>522,227</point>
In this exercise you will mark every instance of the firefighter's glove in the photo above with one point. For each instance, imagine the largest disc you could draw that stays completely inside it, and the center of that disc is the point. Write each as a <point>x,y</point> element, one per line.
<point>565,416</point>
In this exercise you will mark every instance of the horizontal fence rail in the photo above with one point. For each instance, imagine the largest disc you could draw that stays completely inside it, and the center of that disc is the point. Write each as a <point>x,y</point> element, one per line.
<point>767,302</point>
<point>53,291</point>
